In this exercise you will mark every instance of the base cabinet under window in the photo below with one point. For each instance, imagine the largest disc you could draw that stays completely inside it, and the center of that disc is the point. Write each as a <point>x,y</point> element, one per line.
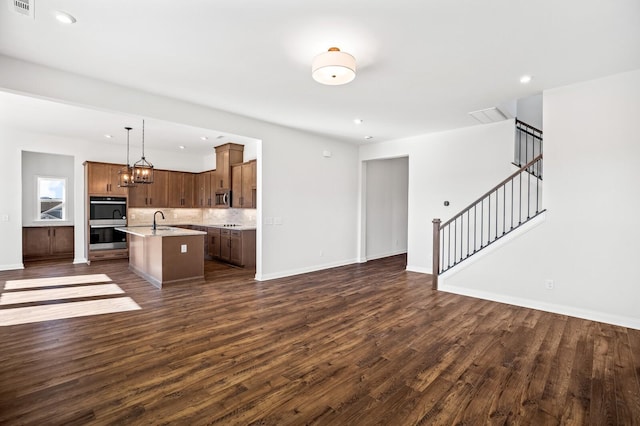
<point>47,242</point>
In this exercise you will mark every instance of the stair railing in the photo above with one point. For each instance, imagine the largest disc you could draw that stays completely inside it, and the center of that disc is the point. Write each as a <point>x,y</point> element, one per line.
<point>527,146</point>
<point>505,207</point>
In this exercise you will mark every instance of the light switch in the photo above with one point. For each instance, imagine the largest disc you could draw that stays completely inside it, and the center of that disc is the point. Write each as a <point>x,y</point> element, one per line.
<point>183,248</point>
<point>4,218</point>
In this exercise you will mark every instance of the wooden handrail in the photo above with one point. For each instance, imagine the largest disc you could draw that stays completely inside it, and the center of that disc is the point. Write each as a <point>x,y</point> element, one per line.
<point>492,190</point>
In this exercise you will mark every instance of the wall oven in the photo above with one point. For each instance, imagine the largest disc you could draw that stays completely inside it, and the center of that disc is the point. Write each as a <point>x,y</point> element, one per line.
<point>106,214</point>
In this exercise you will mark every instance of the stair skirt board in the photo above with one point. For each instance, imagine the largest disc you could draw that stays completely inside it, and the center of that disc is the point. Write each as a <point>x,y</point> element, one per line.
<point>520,230</point>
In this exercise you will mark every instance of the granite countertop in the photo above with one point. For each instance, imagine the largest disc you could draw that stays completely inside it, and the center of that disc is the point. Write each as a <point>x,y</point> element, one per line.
<point>161,231</point>
<point>221,226</point>
<point>237,228</point>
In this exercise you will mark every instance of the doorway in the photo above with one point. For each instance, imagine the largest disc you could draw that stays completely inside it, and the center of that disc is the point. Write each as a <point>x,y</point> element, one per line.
<point>386,207</point>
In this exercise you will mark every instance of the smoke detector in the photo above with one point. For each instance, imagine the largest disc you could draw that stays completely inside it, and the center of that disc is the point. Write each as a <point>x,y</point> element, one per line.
<point>22,7</point>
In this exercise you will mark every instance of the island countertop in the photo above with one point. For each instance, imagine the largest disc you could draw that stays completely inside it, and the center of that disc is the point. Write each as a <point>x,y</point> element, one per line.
<point>160,231</point>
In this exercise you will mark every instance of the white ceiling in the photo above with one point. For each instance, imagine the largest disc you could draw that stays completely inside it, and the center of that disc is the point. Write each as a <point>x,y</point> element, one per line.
<point>422,64</point>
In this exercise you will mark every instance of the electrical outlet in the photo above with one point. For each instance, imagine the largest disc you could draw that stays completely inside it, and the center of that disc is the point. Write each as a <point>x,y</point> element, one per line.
<point>549,284</point>
<point>4,218</point>
<point>133,216</point>
<point>321,253</point>
<point>183,248</point>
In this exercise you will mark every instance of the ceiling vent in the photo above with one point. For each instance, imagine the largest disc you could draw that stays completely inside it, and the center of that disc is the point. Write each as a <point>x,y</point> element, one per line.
<point>489,115</point>
<point>22,7</point>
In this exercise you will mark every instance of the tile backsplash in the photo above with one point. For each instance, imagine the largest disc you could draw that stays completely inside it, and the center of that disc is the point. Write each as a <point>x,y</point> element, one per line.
<point>180,216</point>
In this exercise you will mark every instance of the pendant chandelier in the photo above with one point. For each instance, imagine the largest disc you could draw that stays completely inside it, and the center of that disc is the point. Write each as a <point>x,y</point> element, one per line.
<point>125,174</point>
<point>142,169</point>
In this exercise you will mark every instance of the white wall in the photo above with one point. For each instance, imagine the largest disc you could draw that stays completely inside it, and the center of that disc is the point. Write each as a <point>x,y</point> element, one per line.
<point>588,242</point>
<point>314,198</point>
<point>387,202</point>
<point>529,110</point>
<point>36,164</point>
<point>456,166</point>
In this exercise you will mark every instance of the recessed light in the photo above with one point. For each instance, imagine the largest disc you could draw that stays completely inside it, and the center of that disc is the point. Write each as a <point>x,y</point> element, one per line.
<point>525,79</point>
<point>181,146</point>
<point>204,138</point>
<point>64,17</point>
<point>220,137</point>
<point>108,136</point>
<point>368,137</point>
<point>357,121</point>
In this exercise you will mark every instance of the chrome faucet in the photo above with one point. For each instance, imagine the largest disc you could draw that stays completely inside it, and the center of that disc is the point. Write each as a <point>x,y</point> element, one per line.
<point>154,218</point>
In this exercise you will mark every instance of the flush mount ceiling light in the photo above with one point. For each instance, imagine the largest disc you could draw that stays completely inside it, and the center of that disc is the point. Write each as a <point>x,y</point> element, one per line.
<point>142,169</point>
<point>357,121</point>
<point>333,67</point>
<point>125,174</point>
<point>64,17</point>
<point>525,79</point>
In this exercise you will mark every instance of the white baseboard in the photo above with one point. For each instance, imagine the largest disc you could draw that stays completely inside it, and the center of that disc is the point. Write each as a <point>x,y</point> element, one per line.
<point>623,321</point>
<point>420,269</point>
<point>79,260</point>
<point>292,272</point>
<point>389,254</point>
<point>11,267</point>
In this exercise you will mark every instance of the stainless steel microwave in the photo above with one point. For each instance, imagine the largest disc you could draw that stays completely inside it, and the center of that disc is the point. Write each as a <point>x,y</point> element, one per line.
<point>223,198</point>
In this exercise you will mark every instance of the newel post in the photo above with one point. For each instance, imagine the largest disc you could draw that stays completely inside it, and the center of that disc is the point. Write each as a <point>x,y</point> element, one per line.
<point>436,253</point>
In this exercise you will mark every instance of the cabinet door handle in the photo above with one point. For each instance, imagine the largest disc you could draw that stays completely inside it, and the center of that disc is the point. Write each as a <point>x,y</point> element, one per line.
<point>48,232</point>
<point>54,232</point>
<point>150,201</point>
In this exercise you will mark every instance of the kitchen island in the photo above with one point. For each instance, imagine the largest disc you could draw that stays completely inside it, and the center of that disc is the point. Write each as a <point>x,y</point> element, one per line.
<point>166,255</point>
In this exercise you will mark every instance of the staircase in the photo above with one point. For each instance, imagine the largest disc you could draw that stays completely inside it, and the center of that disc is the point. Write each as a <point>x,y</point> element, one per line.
<point>505,207</point>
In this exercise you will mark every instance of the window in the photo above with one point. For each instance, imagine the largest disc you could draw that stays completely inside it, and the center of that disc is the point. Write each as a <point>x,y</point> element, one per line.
<point>51,198</point>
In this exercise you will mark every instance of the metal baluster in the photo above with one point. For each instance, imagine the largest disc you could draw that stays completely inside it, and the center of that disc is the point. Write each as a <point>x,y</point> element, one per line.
<point>520,200</point>
<point>504,207</point>
<point>482,223</point>
<point>468,229</point>
<point>538,191</point>
<point>475,227</point>
<point>461,234</point>
<point>528,193</point>
<point>449,246</point>
<point>455,239</point>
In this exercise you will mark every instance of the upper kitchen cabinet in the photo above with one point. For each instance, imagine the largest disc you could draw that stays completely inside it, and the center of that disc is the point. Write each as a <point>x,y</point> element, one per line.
<point>102,179</point>
<point>181,189</point>
<point>243,190</point>
<point>151,195</point>
<point>203,189</point>
<point>226,156</point>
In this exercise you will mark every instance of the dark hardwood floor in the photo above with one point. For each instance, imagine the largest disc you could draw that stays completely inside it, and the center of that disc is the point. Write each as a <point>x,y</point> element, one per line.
<point>357,345</point>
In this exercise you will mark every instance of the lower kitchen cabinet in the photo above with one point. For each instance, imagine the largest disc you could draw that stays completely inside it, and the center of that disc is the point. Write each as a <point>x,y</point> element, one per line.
<point>237,247</point>
<point>47,242</point>
<point>213,238</point>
